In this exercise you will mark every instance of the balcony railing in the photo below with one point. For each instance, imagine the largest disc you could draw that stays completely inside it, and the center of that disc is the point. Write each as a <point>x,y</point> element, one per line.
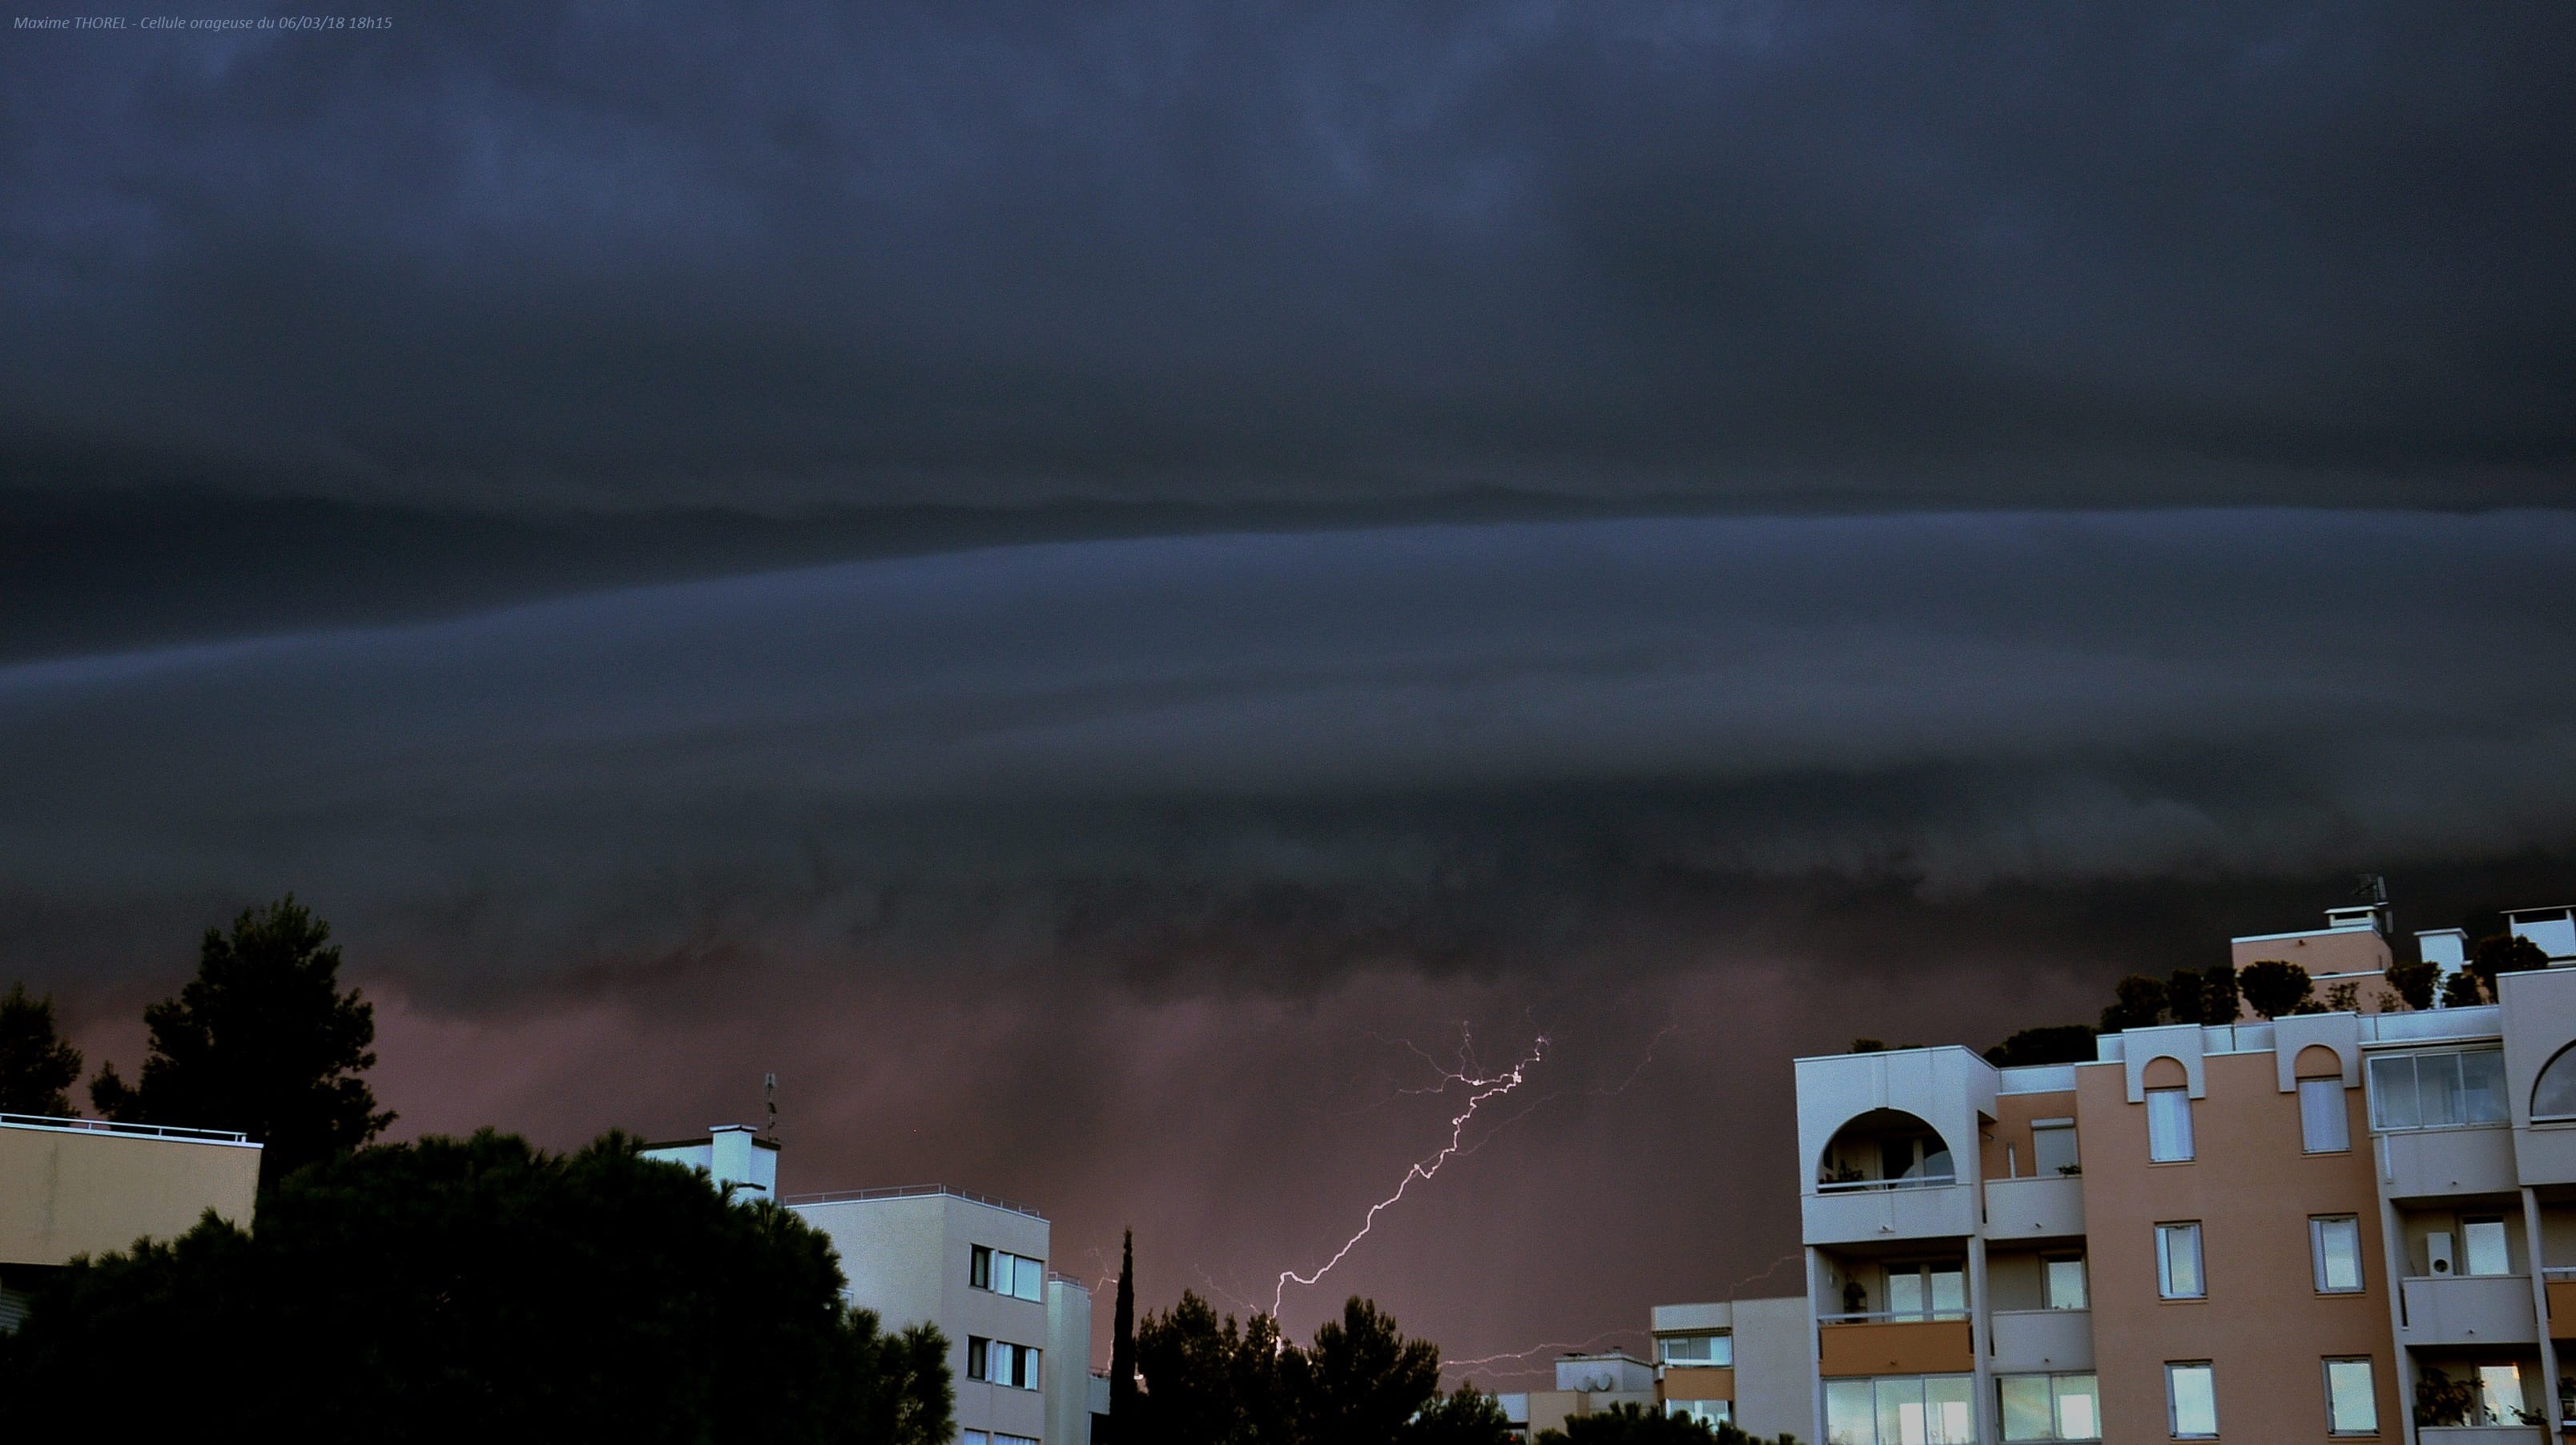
<point>1891,1317</point>
<point>910,1191</point>
<point>104,1126</point>
<point>1863,1186</point>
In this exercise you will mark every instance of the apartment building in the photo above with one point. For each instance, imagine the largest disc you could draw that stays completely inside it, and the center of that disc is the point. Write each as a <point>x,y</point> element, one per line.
<point>84,1186</point>
<point>1019,1336</point>
<point>2344,1226</point>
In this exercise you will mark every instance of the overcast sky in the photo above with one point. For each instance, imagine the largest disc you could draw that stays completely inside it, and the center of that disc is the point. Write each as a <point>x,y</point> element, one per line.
<point>1083,581</point>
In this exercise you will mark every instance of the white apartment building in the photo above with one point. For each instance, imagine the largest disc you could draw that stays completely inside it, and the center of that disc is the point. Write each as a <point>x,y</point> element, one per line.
<point>1019,1337</point>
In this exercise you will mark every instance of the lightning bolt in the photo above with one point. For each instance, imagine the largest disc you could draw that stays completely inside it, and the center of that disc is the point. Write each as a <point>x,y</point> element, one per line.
<point>1447,1365</point>
<point>1480,1090</point>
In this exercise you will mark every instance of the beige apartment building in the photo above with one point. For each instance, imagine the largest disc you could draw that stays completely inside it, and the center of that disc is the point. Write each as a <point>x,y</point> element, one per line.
<point>83,1186</point>
<point>2342,1226</point>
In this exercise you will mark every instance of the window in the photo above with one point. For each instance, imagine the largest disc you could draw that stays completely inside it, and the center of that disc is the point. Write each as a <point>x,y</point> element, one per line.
<point>2323,1126</point>
<point>2437,1090</point>
<point>2191,1400</point>
<point>1927,1291</point>
<point>1698,1349</point>
<point>2052,1146</point>
<point>2500,1395</point>
<point>2482,1241</point>
<point>2168,1125</point>
<point>2334,1240</point>
<point>2065,1282</point>
<point>2352,1404</point>
<point>2050,1407</point>
<point>979,1437</point>
<point>2554,1097</point>
<point>2178,1262</point>
<point>1901,1410</point>
<point>1711,1413</point>
<point>1002,1272</point>
<point>998,1363</point>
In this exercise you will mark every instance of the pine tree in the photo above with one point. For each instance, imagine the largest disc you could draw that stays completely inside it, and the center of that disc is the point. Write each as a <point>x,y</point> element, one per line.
<point>36,1066</point>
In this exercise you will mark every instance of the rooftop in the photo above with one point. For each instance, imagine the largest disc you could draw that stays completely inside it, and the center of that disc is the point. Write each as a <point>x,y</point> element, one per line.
<point>137,1131</point>
<point>908,1191</point>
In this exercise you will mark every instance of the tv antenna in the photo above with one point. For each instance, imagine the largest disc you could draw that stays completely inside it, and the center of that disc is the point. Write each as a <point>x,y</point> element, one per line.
<point>2372,886</point>
<point>769,1095</point>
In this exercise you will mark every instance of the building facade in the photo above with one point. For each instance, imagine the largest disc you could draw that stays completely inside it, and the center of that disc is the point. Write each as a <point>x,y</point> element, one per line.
<point>2341,1226</point>
<point>1019,1337</point>
<point>83,1186</point>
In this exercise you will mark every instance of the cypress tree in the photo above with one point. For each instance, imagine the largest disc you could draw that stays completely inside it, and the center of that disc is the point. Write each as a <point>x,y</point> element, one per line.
<point>1122,1345</point>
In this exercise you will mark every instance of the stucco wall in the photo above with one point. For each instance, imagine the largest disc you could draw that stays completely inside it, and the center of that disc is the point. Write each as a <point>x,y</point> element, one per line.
<point>67,1192</point>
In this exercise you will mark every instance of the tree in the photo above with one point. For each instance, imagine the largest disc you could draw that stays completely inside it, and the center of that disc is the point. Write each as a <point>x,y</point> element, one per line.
<point>1206,1382</point>
<point>2413,983</point>
<point>2500,953</point>
<point>262,1040</point>
<point>2219,1000</point>
<point>1636,1425</point>
<point>2461,990</point>
<point>477,1289</point>
<point>2052,1044</point>
<point>2187,996</point>
<point>1361,1380</point>
<point>36,1066</point>
<point>1468,1416</point>
<point>2141,1004</point>
<point>2274,988</point>
<point>1122,1344</point>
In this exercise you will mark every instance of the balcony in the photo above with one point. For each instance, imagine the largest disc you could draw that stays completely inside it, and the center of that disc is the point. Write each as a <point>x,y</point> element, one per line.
<point>2030,1342</point>
<point>1851,1213</point>
<point>1858,1345</point>
<point>2486,1310</point>
<point>2480,1435</point>
<point>2560,1284</point>
<point>2439,1163</point>
<point>2042,1208</point>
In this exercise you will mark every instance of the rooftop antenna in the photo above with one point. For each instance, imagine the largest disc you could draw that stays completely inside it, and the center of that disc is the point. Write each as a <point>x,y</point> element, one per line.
<point>2372,886</point>
<point>769,1095</point>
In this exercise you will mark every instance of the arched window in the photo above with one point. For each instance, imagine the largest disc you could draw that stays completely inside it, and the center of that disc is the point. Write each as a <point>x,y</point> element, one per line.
<point>2554,1096</point>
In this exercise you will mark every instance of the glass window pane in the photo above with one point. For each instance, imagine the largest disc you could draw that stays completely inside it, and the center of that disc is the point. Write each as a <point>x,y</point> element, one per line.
<point>2323,1127</point>
<point>1949,1293</point>
<point>2178,1260</point>
<point>1721,1350</point>
<point>2482,1086</point>
<point>2500,1393</point>
<point>2168,1125</point>
<point>1905,1291</point>
<point>2079,1408</point>
<point>2437,1089</point>
<point>2026,1410</point>
<point>1948,1418</point>
<point>1900,1413</point>
<point>979,1269</point>
<point>1031,1278</point>
<point>1850,1413</point>
<point>2065,1284</point>
<point>2192,1398</point>
<point>2053,1150</point>
<point>2338,1249</point>
<point>2392,1093</point>
<point>2352,1406</point>
<point>2554,1097</point>
<point>2484,1244</point>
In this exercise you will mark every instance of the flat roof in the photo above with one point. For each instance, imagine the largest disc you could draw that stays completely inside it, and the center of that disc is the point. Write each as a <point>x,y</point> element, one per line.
<point>909,1191</point>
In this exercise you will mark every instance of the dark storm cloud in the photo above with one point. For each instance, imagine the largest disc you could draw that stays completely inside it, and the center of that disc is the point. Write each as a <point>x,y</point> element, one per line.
<point>1817,255</point>
<point>1442,745</point>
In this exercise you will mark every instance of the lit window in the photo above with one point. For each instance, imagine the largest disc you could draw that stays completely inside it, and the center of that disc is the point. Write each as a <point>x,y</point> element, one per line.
<point>2483,1241</point>
<point>2323,1126</point>
<point>2500,1394</point>
<point>1716,1349</point>
<point>2178,1262</point>
<point>2191,1400</point>
<point>2052,1147</point>
<point>2065,1283</point>
<point>1003,1272</point>
<point>2437,1090</point>
<point>2352,1403</point>
<point>2050,1407</point>
<point>2168,1125</point>
<point>2335,1242</point>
